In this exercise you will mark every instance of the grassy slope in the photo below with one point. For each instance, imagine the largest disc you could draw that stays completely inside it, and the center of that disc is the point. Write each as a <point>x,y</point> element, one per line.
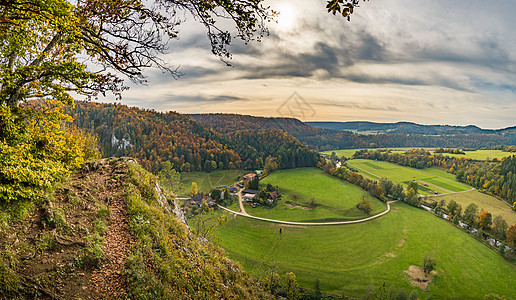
<point>336,199</point>
<point>485,202</point>
<point>353,257</point>
<point>404,175</point>
<point>206,181</point>
<point>69,257</point>
<point>168,262</point>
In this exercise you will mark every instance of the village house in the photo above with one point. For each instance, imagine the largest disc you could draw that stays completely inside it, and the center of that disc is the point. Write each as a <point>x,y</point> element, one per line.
<point>249,194</point>
<point>249,177</point>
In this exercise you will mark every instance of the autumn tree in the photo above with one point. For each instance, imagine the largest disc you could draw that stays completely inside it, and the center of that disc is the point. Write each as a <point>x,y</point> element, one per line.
<point>452,207</point>
<point>511,236</point>
<point>291,286</point>
<point>500,227</point>
<point>365,205</point>
<point>413,185</point>
<point>194,189</point>
<point>169,177</point>
<point>485,220</point>
<point>470,214</point>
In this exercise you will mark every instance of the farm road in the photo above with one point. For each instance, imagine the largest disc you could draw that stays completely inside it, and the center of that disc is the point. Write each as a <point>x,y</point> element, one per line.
<point>244,214</point>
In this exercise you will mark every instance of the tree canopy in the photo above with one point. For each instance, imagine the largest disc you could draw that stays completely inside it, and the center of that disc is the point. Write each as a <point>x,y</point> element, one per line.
<point>53,47</point>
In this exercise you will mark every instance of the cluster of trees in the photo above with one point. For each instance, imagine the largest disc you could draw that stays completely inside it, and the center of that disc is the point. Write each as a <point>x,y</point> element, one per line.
<point>283,150</point>
<point>495,177</point>
<point>267,195</point>
<point>414,158</point>
<point>483,220</point>
<point>448,150</point>
<point>157,138</point>
<point>382,189</point>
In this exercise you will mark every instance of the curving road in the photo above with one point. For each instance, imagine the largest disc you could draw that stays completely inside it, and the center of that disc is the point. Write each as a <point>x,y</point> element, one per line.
<point>244,214</point>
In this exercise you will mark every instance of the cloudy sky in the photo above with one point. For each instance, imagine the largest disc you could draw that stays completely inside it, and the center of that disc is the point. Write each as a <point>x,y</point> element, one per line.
<point>430,62</point>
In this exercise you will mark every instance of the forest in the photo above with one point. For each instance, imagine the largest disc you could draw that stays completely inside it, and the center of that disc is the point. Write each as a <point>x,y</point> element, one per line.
<point>155,138</point>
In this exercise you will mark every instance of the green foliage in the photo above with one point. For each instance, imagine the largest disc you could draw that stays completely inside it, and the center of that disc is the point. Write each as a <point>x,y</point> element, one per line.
<point>429,264</point>
<point>470,214</point>
<point>365,206</point>
<point>37,153</point>
<point>401,295</point>
<point>291,287</point>
<point>254,183</point>
<point>413,295</point>
<point>216,194</point>
<point>511,236</point>
<point>494,297</point>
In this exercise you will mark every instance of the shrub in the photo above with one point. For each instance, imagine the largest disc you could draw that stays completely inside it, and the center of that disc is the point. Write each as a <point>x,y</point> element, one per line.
<point>429,264</point>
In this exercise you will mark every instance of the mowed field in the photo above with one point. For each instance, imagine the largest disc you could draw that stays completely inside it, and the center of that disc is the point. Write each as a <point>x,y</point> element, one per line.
<point>476,155</point>
<point>352,258</point>
<point>335,199</point>
<point>206,181</point>
<point>483,154</point>
<point>485,202</point>
<point>348,153</point>
<point>429,180</point>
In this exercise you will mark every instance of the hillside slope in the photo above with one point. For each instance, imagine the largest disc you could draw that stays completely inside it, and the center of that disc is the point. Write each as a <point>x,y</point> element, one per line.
<point>109,232</point>
<point>155,138</point>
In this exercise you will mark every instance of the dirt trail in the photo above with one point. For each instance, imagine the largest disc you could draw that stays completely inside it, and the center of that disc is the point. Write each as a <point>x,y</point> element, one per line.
<point>106,280</point>
<point>241,202</point>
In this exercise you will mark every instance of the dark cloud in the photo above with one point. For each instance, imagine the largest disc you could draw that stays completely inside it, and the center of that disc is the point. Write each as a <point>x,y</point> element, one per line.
<point>342,104</point>
<point>201,98</point>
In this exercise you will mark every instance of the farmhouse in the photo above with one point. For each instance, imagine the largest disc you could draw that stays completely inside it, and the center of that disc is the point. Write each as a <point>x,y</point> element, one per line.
<point>249,177</point>
<point>249,194</point>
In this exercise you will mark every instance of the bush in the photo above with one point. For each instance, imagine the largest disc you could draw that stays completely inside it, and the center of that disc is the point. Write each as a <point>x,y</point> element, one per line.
<point>365,206</point>
<point>429,264</point>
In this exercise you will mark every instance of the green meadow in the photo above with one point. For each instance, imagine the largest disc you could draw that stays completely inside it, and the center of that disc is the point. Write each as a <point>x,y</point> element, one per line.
<point>483,154</point>
<point>334,199</point>
<point>206,181</point>
<point>429,180</point>
<point>348,153</point>
<point>476,154</point>
<point>353,258</point>
<point>485,202</point>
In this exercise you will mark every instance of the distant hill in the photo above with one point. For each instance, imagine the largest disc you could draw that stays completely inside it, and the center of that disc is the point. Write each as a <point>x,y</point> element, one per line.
<point>154,138</point>
<point>400,127</point>
<point>340,135</point>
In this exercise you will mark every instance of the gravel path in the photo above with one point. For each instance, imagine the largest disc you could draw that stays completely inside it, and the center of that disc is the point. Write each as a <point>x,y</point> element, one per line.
<point>309,223</point>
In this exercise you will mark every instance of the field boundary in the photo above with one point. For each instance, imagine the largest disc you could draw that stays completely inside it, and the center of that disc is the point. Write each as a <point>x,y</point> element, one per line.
<point>310,223</point>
